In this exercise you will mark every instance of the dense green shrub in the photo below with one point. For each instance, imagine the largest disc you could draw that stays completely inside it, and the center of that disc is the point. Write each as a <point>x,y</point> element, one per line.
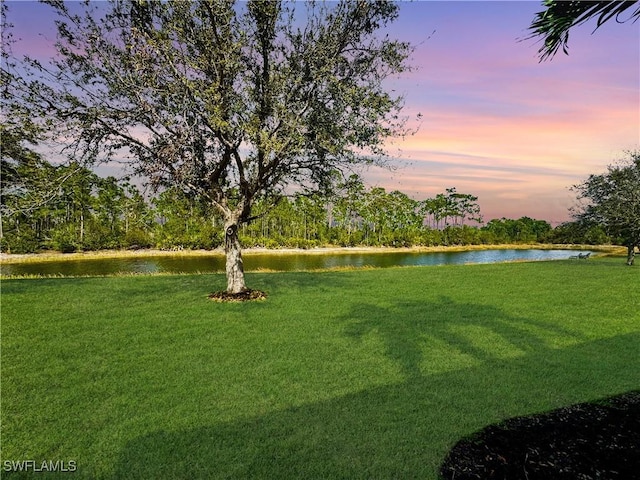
<point>23,241</point>
<point>137,238</point>
<point>65,239</point>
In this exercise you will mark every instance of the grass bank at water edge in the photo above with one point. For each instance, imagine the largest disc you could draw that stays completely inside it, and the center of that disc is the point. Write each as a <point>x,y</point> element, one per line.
<point>354,374</point>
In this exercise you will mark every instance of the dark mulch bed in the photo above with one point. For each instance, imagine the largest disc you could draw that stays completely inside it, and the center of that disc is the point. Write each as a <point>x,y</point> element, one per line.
<point>244,296</point>
<point>581,442</point>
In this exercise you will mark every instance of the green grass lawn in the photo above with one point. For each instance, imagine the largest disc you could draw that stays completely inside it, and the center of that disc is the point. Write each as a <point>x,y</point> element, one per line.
<point>352,374</point>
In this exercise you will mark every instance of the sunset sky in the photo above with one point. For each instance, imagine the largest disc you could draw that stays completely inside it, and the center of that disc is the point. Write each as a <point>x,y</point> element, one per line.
<point>495,123</point>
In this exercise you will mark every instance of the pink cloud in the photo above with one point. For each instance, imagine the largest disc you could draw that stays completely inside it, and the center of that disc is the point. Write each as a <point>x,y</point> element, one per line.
<point>500,125</point>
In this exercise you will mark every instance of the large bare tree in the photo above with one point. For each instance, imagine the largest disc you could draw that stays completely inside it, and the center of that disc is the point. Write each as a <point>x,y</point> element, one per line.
<point>229,102</point>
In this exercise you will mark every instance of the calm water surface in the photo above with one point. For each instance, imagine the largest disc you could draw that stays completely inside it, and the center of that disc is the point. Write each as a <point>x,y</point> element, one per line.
<point>284,262</point>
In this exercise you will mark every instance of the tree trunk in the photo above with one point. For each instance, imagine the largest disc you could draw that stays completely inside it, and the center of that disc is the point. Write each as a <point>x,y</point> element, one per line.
<point>82,227</point>
<point>235,268</point>
<point>631,253</point>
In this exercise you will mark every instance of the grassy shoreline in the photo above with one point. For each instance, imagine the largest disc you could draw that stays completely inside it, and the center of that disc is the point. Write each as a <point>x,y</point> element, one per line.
<point>57,256</point>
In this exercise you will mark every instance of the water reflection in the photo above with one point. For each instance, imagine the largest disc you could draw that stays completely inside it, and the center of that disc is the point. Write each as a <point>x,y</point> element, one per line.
<point>275,262</point>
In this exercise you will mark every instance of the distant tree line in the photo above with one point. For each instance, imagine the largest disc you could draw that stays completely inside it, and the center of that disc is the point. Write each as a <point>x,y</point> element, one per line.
<point>70,208</point>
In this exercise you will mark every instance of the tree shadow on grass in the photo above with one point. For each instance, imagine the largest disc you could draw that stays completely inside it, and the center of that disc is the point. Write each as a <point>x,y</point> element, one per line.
<point>454,334</point>
<point>395,431</point>
<point>401,430</point>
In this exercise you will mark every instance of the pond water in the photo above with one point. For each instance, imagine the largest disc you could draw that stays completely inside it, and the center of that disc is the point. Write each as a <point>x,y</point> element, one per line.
<point>272,261</point>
